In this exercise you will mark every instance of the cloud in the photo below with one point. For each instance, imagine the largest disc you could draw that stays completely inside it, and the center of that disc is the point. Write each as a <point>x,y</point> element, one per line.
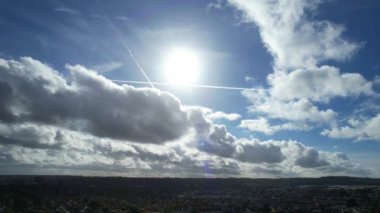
<point>223,144</point>
<point>30,135</point>
<point>300,110</point>
<point>6,93</point>
<point>219,142</point>
<point>218,4</point>
<point>90,102</point>
<point>122,18</point>
<point>318,84</point>
<point>261,124</point>
<point>81,153</point>
<point>66,10</point>
<point>259,152</point>
<point>311,159</point>
<point>377,80</point>
<point>107,67</point>
<point>362,128</point>
<point>86,124</point>
<point>258,125</point>
<point>249,79</point>
<point>293,96</point>
<point>299,84</point>
<point>290,34</point>
<point>283,158</point>
<point>221,115</point>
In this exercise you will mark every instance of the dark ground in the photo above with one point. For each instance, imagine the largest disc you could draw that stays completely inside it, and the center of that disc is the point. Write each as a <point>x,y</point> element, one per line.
<point>117,194</point>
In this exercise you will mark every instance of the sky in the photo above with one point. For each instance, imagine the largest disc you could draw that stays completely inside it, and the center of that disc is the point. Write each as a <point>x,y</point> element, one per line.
<point>174,88</point>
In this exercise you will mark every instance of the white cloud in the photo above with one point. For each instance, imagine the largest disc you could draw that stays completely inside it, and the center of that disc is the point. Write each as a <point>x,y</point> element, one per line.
<point>377,80</point>
<point>66,10</point>
<point>81,153</point>
<point>86,124</point>
<point>292,96</point>
<point>357,128</point>
<point>291,36</point>
<point>318,84</point>
<point>107,67</point>
<point>249,79</point>
<point>222,115</point>
<point>299,44</point>
<point>258,125</point>
<point>301,110</point>
<point>122,18</point>
<point>218,4</point>
<point>30,135</point>
<point>90,102</point>
<point>261,124</point>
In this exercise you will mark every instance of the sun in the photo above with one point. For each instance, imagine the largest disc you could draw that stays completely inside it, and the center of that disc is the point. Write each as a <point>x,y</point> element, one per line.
<point>182,67</point>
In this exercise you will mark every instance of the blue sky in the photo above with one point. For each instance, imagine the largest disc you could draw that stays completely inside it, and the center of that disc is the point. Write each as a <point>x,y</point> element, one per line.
<point>311,69</point>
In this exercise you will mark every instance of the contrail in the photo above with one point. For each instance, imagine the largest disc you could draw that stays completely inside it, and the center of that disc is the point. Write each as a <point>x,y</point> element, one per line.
<point>126,46</point>
<point>190,85</point>
<point>148,81</point>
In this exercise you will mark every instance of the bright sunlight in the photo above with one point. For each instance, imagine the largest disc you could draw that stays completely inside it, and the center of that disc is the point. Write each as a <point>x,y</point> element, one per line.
<point>182,66</point>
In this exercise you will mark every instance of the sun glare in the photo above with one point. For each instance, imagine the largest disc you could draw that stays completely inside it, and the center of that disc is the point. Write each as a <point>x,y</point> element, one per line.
<point>182,67</point>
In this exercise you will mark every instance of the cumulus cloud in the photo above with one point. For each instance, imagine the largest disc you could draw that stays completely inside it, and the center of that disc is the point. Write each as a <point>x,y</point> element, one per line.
<point>86,124</point>
<point>261,124</point>
<point>222,115</point>
<point>292,158</point>
<point>258,125</point>
<point>39,104</point>
<point>215,115</point>
<point>293,96</point>
<point>30,135</point>
<point>292,36</point>
<point>299,45</point>
<point>6,93</point>
<point>361,128</point>
<point>253,151</point>
<point>300,110</point>
<point>318,84</point>
<point>37,93</point>
<point>83,153</point>
<point>310,159</point>
<point>220,142</point>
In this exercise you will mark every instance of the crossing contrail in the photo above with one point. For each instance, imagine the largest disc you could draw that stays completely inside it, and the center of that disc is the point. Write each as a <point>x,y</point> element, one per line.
<point>148,81</point>
<point>126,46</point>
<point>190,85</point>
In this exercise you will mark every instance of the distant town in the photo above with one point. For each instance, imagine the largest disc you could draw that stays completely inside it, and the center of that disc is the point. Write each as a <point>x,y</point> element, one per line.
<point>66,194</point>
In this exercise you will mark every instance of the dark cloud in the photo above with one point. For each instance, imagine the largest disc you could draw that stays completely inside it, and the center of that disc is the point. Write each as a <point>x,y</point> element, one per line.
<point>311,159</point>
<point>31,136</point>
<point>86,124</point>
<point>267,171</point>
<point>90,101</point>
<point>26,143</point>
<point>255,152</point>
<point>6,93</point>
<point>219,142</point>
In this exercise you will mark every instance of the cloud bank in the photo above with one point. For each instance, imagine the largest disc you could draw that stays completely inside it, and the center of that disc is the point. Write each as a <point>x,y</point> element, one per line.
<point>83,123</point>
